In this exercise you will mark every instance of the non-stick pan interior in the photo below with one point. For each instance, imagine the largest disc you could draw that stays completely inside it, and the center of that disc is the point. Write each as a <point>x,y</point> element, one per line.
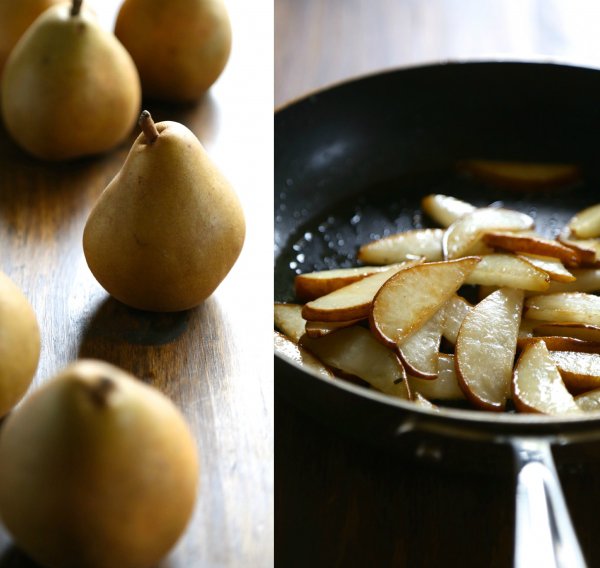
<point>353,162</point>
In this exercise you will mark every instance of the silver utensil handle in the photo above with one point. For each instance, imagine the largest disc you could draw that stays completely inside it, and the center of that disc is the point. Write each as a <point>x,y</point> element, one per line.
<point>544,534</point>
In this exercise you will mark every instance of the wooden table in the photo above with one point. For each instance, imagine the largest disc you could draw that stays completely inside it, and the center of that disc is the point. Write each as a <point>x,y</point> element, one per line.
<point>340,503</point>
<point>214,361</point>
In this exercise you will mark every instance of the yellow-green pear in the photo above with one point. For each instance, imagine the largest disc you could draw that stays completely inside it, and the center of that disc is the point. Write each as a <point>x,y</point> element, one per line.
<point>97,470</point>
<point>15,17</point>
<point>19,344</point>
<point>169,226</point>
<point>69,87</point>
<point>180,47</point>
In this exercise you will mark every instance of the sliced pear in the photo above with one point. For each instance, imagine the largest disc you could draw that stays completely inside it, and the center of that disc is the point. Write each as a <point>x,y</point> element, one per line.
<point>320,328</point>
<point>426,243</point>
<point>586,280</point>
<point>464,235</point>
<point>486,346</point>
<point>587,249</point>
<point>352,301</point>
<point>313,285</point>
<point>508,270</point>
<point>286,347</point>
<point>420,351</point>
<point>445,209</point>
<point>579,371</point>
<point>582,331</point>
<point>522,175</point>
<point>408,299</point>
<point>533,244</point>
<point>589,401</point>
<point>564,307</point>
<point>420,400</point>
<point>444,387</point>
<point>288,319</point>
<point>551,266</point>
<point>537,385</point>
<point>586,223</point>
<point>558,343</point>
<point>354,351</point>
<point>456,308</point>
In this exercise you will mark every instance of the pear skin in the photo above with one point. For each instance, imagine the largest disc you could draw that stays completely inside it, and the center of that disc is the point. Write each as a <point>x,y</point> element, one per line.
<point>97,470</point>
<point>15,18</point>
<point>19,344</point>
<point>168,228</point>
<point>69,87</point>
<point>180,47</point>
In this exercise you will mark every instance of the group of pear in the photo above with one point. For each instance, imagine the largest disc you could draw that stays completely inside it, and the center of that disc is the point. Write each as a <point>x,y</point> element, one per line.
<point>97,469</point>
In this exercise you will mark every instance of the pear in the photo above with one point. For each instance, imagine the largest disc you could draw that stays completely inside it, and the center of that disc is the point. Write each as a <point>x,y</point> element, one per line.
<point>168,228</point>
<point>97,470</point>
<point>69,87</point>
<point>180,47</point>
<point>15,18</point>
<point>19,344</point>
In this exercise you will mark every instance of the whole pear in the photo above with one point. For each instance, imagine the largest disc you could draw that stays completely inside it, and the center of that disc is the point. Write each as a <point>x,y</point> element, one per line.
<point>15,18</point>
<point>19,344</point>
<point>69,88</point>
<point>97,470</point>
<point>180,47</point>
<point>169,227</point>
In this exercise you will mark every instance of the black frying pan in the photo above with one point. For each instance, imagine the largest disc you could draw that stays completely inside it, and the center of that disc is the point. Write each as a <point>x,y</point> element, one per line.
<point>353,162</point>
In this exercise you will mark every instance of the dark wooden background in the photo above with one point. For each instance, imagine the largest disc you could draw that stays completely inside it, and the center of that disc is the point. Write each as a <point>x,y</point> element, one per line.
<point>340,503</point>
<point>214,361</point>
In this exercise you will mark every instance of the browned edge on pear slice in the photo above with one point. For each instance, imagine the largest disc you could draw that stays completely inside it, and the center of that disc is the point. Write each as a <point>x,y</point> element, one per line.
<point>408,299</point>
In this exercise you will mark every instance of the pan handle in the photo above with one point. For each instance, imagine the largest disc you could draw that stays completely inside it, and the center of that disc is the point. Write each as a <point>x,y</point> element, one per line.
<point>544,534</point>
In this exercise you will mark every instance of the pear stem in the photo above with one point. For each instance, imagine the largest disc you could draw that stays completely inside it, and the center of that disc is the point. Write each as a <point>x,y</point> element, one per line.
<point>101,391</point>
<point>76,7</point>
<point>148,127</point>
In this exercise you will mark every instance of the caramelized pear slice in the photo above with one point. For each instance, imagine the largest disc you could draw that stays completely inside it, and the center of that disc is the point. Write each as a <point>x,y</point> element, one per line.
<point>320,328</point>
<point>582,331</point>
<point>420,351</point>
<point>352,301</point>
<point>579,371</point>
<point>508,270</point>
<point>464,235</point>
<point>355,352</point>
<point>444,387</point>
<point>445,209</point>
<point>563,307</point>
<point>425,243</point>
<point>486,346</point>
<point>456,308</point>
<point>551,266</point>
<point>522,175</point>
<point>288,319</point>
<point>586,223</point>
<point>408,299</point>
<point>533,244</point>
<point>313,285</point>
<point>537,385</point>
<point>286,347</point>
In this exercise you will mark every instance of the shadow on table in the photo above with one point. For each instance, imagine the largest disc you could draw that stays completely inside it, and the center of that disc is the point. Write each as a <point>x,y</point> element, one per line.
<point>147,343</point>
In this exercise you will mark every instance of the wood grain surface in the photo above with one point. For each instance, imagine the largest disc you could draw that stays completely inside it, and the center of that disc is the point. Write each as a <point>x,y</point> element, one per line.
<point>214,361</point>
<point>341,503</point>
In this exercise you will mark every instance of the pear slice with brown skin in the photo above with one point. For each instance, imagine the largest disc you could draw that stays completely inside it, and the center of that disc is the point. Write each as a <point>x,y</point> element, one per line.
<point>169,226</point>
<point>537,385</point>
<point>410,297</point>
<point>486,347</point>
